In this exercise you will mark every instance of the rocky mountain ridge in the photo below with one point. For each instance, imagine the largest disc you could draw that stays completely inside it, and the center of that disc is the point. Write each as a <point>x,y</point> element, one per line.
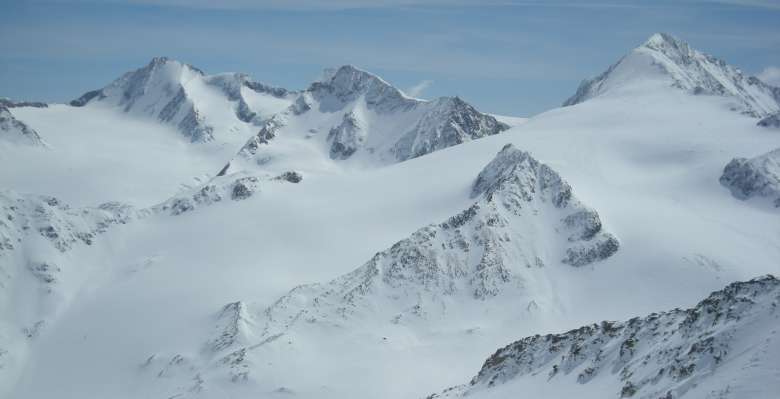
<point>352,114</point>
<point>757,177</point>
<point>662,355</point>
<point>15,131</point>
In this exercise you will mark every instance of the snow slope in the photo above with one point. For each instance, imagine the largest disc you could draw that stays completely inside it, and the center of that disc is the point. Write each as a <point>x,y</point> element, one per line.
<point>42,264</point>
<point>97,154</point>
<point>670,61</point>
<point>725,346</point>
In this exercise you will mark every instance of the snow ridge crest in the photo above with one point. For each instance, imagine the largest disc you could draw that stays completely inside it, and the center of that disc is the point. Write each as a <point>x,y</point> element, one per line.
<point>687,69</point>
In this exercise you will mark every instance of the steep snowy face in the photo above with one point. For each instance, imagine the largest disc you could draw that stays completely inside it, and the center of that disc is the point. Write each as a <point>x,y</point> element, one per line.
<point>156,90</point>
<point>756,177</point>
<point>525,219</point>
<point>449,121</point>
<point>348,83</point>
<point>201,107</point>
<point>704,351</point>
<point>254,101</point>
<point>353,115</point>
<point>677,64</point>
<point>15,131</point>
<point>37,274</point>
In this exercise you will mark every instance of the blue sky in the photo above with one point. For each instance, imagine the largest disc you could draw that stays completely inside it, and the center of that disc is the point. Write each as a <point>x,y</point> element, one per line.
<point>511,57</point>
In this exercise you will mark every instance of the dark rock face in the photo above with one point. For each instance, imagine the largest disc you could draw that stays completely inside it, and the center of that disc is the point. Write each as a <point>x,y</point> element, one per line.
<point>346,138</point>
<point>236,187</point>
<point>267,133</point>
<point>657,356</point>
<point>290,176</point>
<point>15,131</point>
<point>771,121</point>
<point>7,103</point>
<point>231,84</point>
<point>192,124</point>
<point>43,271</point>
<point>758,177</point>
<point>450,121</point>
<point>55,221</point>
<point>87,97</point>
<point>263,88</point>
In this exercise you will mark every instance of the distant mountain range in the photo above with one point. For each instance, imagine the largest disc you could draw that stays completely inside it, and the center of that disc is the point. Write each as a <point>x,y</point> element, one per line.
<point>176,234</point>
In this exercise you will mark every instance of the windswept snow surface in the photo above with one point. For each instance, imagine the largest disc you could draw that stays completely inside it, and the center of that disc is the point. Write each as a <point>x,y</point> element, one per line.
<point>97,154</point>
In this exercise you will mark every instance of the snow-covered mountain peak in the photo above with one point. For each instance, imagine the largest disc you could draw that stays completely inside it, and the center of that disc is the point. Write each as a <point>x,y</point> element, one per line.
<point>347,83</point>
<point>517,171</point>
<point>505,240</point>
<point>160,74</point>
<point>673,62</point>
<point>351,114</point>
<point>663,40</point>
<point>202,107</point>
<point>349,78</point>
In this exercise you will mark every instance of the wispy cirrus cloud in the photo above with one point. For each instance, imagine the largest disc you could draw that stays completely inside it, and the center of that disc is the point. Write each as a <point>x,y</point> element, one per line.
<point>303,5</point>
<point>418,89</point>
<point>770,75</point>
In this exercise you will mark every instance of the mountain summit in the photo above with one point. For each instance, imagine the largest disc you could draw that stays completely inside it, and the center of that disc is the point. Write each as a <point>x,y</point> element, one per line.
<point>202,107</point>
<point>351,114</point>
<point>664,57</point>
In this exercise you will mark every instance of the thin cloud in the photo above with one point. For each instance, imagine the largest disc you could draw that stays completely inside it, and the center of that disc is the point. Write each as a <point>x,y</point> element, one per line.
<point>321,5</point>
<point>770,75</point>
<point>418,89</point>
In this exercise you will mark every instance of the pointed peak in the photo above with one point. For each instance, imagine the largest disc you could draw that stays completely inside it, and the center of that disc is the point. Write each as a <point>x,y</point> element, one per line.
<point>454,102</point>
<point>667,44</point>
<point>350,76</point>
<point>161,61</point>
<point>347,83</point>
<point>501,168</point>
<point>661,39</point>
